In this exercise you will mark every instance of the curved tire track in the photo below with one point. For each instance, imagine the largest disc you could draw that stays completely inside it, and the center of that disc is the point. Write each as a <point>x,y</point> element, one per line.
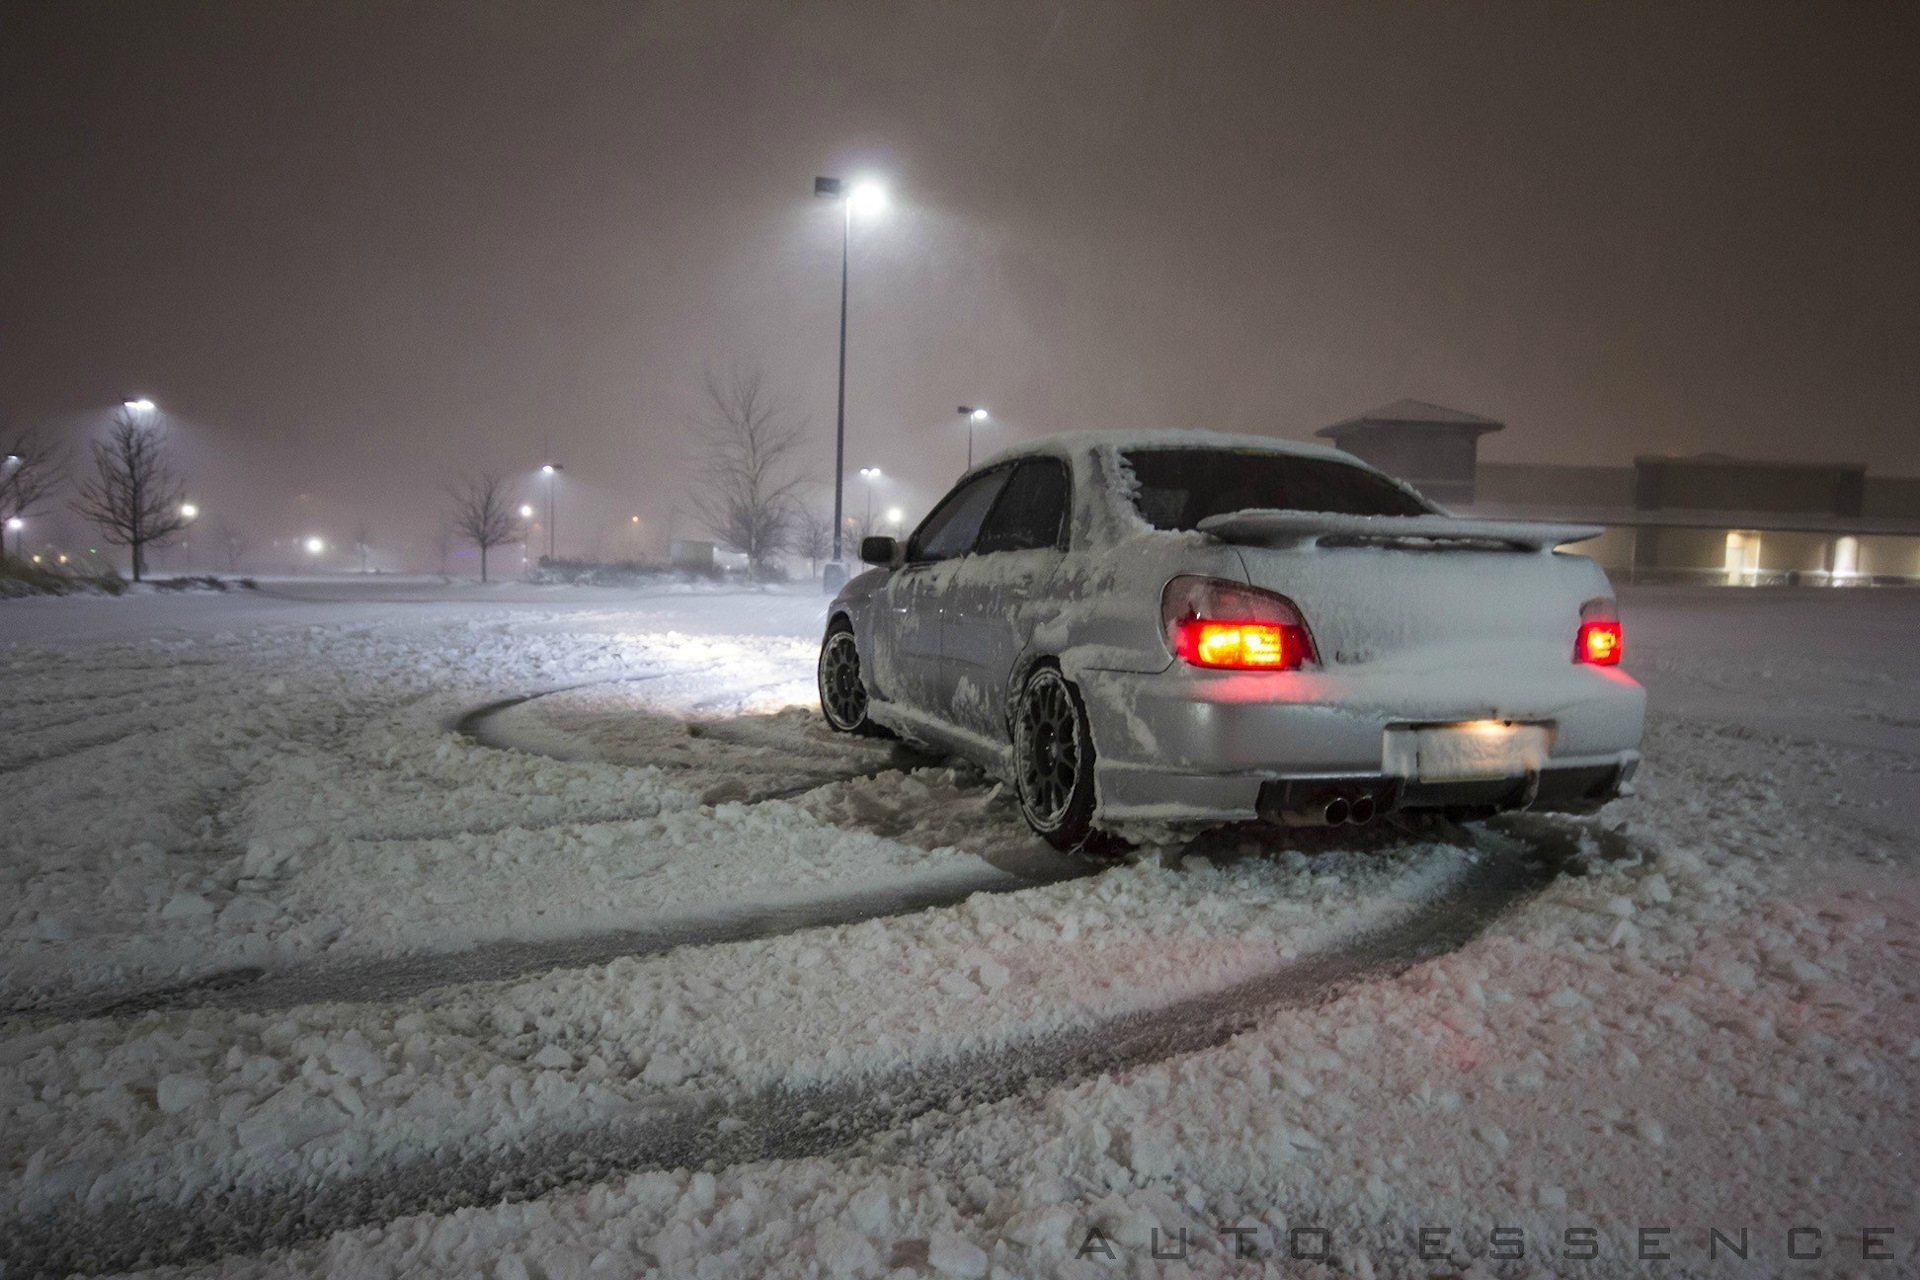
<point>773,1124</point>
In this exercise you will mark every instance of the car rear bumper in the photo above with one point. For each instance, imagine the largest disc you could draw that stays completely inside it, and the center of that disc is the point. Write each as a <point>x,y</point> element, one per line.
<point>1187,745</point>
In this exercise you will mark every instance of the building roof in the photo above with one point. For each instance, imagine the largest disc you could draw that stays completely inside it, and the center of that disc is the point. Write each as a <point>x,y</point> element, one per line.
<point>1758,521</point>
<point>1729,460</point>
<point>1404,413</point>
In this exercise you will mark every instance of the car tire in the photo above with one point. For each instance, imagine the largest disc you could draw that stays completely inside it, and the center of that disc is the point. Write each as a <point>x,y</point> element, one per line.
<point>1053,764</point>
<point>843,685</point>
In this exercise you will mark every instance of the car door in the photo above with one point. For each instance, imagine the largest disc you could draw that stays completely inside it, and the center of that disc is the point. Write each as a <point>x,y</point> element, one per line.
<point>907,652</point>
<point>1001,592</point>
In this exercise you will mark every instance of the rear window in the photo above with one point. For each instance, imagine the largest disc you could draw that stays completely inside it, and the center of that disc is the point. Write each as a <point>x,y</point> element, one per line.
<point>1178,488</point>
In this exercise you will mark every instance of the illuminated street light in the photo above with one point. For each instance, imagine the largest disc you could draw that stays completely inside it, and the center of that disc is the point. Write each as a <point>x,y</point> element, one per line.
<point>16,524</point>
<point>526,511</point>
<point>974,418</point>
<point>188,511</point>
<point>869,474</point>
<point>140,404</point>
<point>867,198</point>
<point>551,470</point>
<point>315,546</point>
<point>895,515</point>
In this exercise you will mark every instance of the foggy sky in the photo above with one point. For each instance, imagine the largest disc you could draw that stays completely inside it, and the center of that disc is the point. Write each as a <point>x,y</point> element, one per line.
<point>356,249</point>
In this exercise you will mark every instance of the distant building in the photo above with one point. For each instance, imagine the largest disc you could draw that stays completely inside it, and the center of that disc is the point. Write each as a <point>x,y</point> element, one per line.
<point>1431,447</point>
<point>1709,518</point>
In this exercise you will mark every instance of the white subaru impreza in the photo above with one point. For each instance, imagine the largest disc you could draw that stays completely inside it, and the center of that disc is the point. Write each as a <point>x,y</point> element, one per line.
<point>1192,628</point>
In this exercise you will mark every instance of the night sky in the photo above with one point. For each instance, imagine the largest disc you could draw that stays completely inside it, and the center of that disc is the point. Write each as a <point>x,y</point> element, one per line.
<point>356,249</point>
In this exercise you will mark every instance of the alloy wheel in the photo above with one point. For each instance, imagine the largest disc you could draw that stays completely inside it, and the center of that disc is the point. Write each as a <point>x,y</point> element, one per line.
<point>1050,765</point>
<point>843,695</point>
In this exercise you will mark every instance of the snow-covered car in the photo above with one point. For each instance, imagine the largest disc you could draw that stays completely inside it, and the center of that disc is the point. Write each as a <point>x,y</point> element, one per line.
<point>1194,628</point>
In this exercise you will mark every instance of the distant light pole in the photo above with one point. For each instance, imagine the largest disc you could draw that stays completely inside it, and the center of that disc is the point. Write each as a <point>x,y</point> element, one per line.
<point>974,417</point>
<point>15,523</point>
<point>551,471</point>
<point>189,513</point>
<point>869,474</point>
<point>867,198</point>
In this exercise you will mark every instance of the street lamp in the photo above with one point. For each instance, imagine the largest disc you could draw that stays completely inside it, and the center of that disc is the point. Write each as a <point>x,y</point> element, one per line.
<point>139,404</point>
<point>189,513</point>
<point>16,524</point>
<point>315,546</point>
<point>895,515</point>
<point>551,470</point>
<point>869,474</point>
<point>974,418</point>
<point>867,199</point>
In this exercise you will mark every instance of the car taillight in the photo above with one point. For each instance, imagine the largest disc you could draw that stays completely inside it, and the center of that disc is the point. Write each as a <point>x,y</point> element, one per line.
<point>1599,640</point>
<point>1214,623</point>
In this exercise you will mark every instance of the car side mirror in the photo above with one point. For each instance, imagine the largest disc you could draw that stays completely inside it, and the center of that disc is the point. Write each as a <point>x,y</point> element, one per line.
<point>881,551</point>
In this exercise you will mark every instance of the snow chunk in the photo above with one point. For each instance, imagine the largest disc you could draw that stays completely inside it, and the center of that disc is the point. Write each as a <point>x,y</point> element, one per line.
<point>186,906</point>
<point>178,1092</point>
<point>666,1070</point>
<point>953,1255</point>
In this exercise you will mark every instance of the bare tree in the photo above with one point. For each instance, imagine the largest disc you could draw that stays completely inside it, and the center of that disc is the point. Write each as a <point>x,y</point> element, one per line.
<point>483,513</point>
<point>31,468</point>
<point>133,495</point>
<point>746,466</point>
<point>363,542</point>
<point>232,542</point>
<point>812,538</point>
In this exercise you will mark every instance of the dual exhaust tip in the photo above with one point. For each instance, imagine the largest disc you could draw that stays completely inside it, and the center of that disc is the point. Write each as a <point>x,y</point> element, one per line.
<point>1327,802</point>
<point>1340,811</point>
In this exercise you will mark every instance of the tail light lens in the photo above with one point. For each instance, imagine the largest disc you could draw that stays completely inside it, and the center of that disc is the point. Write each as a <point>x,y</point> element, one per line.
<point>1600,638</point>
<point>1214,623</point>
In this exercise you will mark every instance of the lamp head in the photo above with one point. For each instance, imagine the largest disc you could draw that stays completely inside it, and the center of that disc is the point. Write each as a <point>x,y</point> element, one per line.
<point>867,199</point>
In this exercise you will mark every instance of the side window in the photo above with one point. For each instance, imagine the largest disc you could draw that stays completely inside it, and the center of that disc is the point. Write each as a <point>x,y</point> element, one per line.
<point>952,527</point>
<point>1032,510</point>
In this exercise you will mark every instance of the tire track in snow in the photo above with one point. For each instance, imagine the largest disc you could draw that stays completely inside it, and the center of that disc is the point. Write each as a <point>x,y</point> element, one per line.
<point>477,725</point>
<point>776,1124</point>
<point>384,978</point>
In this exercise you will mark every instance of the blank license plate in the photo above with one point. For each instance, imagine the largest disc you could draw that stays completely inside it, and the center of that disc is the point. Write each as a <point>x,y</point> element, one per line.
<point>1472,752</point>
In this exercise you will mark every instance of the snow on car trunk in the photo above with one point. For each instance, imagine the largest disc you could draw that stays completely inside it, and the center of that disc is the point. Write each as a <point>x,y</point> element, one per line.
<point>1432,606</point>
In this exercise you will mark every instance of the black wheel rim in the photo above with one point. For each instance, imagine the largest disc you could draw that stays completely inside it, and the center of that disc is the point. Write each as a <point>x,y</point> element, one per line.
<point>842,694</point>
<point>1050,765</point>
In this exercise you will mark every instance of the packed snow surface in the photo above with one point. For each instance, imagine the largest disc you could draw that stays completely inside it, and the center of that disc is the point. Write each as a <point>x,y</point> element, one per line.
<point>1705,1022</point>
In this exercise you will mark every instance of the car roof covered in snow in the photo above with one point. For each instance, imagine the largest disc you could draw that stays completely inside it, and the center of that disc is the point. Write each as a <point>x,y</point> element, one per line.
<point>1075,442</point>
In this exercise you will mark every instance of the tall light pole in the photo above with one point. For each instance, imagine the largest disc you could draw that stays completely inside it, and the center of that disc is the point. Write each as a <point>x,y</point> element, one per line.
<point>14,523</point>
<point>974,417</point>
<point>867,198</point>
<point>869,474</point>
<point>551,470</point>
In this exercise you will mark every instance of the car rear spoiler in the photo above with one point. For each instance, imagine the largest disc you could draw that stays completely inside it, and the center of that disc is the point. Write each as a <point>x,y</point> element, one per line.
<point>1267,528</point>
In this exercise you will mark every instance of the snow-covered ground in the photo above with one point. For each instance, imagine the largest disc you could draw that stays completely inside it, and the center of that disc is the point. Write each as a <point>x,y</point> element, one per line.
<point>339,926</point>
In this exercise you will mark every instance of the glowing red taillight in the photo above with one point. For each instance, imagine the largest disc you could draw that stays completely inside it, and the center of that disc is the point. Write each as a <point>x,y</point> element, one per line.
<point>1600,643</point>
<point>1600,638</point>
<point>1213,623</point>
